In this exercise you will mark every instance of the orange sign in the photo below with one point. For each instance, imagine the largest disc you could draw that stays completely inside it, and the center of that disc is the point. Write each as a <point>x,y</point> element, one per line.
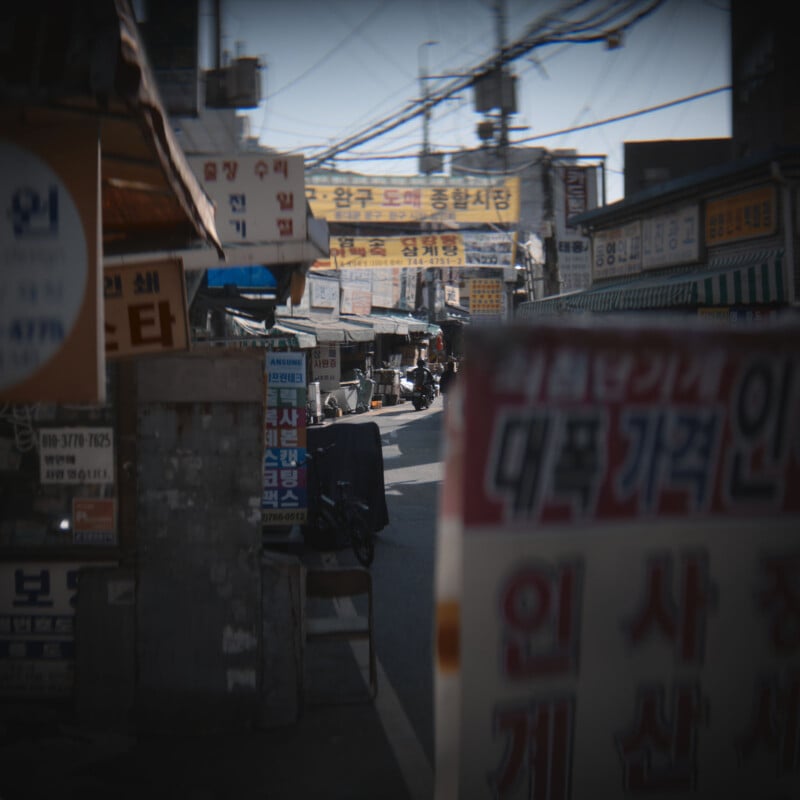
<point>92,514</point>
<point>50,313</point>
<point>742,216</point>
<point>145,308</point>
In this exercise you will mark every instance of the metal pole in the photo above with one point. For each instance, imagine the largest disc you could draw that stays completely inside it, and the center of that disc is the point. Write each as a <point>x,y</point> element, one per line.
<point>426,115</point>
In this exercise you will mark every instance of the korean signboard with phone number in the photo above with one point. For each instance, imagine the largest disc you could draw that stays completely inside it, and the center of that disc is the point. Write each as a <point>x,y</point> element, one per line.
<point>631,568</point>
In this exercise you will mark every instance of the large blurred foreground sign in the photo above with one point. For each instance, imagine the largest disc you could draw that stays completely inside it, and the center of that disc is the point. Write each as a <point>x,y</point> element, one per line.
<point>51,337</point>
<point>618,575</point>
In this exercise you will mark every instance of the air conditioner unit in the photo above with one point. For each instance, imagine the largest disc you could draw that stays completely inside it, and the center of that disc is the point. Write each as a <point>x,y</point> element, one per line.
<point>234,86</point>
<point>245,83</point>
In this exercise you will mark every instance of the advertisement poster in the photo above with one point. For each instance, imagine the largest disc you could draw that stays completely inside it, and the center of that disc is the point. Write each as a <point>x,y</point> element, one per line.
<point>624,541</point>
<point>284,500</point>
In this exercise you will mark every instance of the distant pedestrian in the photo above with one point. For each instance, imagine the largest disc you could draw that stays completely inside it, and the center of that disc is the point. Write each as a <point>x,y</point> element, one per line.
<point>447,381</point>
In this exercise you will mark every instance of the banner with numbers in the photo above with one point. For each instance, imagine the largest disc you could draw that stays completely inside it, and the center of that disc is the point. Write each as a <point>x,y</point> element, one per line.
<point>628,591</point>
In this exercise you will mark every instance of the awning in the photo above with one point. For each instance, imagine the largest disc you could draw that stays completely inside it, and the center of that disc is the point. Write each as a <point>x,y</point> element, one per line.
<point>87,58</point>
<point>754,278</point>
<point>406,324</point>
<point>378,323</point>
<point>277,336</point>
<point>328,329</point>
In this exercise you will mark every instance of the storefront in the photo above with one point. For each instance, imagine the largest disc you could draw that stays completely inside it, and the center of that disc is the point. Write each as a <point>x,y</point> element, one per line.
<point>64,432</point>
<point>720,243</point>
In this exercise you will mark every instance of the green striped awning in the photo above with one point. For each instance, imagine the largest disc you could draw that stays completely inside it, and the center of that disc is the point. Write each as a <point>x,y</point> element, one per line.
<point>746,279</point>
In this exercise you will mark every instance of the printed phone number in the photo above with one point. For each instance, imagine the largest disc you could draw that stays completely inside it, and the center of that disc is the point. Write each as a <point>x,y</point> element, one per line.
<point>70,440</point>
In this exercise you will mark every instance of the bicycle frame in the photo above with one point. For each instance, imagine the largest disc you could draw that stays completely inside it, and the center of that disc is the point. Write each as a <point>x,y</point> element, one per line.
<point>343,516</point>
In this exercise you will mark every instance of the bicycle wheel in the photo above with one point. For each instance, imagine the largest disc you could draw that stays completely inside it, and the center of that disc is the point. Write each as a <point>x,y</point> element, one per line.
<point>362,538</point>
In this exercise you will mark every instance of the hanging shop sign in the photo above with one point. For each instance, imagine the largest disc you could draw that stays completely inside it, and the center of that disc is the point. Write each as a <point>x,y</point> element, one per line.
<point>51,336</point>
<point>259,198</point>
<point>146,309</point>
<point>487,202</point>
<point>744,215</point>
<point>284,499</point>
<point>619,569</point>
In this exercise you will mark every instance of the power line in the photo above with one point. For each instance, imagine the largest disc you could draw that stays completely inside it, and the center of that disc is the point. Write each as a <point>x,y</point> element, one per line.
<point>563,131</point>
<point>573,32</point>
<point>629,115</point>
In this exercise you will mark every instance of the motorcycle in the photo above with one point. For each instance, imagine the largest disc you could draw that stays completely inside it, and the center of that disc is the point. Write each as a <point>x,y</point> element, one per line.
<point>421,396</point>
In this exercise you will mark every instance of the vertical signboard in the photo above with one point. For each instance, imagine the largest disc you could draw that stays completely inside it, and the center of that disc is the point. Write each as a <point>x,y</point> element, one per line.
<point>51,330</point>
<point>628,565</point>
<point>284,499</point>
<point>259,197</point>
<point>574,193</point>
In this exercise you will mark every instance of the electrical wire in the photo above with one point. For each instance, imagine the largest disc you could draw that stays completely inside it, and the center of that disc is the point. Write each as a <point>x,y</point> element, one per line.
<point>563,131</point>
<point>566,33</point>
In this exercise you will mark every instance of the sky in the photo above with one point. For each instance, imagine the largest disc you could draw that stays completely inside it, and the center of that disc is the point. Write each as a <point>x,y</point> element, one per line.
<point>333,68</point>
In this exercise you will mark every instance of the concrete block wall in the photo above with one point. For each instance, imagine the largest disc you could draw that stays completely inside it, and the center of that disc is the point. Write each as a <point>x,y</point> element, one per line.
<point>200,420</point>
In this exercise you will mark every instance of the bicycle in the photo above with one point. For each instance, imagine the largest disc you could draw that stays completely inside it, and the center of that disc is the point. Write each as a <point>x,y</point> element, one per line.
<point>341,517</point>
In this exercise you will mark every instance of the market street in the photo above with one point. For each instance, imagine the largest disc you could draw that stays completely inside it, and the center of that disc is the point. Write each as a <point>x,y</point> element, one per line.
<point>403,580</point>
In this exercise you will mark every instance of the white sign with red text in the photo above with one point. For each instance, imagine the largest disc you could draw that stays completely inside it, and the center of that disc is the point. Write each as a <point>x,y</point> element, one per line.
<point>260,197</point>
<point>629,567</point>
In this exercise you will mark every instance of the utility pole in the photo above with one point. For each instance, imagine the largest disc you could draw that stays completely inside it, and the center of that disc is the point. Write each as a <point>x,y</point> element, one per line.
<point>426,162</point>
<point>500,22</point>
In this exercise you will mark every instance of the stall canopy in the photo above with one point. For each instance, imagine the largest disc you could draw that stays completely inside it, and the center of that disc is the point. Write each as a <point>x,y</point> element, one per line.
<point>277,336</point>
<point>747,278</point>
<point>328,329</point>
<point>86,57</point>
<point>406,324</point>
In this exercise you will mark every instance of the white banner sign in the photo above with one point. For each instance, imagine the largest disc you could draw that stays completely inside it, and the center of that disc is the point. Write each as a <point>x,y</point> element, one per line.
<point>672,238</point>
<point>618,251</point>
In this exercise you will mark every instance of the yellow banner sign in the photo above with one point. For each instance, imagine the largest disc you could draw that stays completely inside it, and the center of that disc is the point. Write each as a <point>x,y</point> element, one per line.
<point>741,216</point>
<point>472,249</point>
<point>145,307</point>
<point>496,203</point>
<point>429,250</point>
